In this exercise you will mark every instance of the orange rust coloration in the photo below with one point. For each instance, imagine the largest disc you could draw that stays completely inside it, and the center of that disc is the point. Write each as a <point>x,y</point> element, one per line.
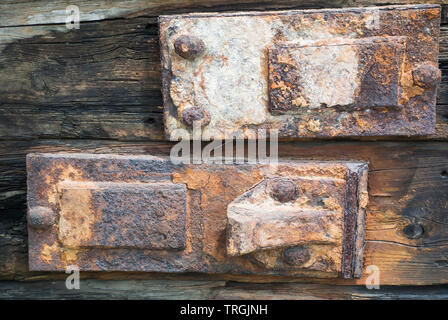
<point>284,71</point>
<point>143,213</point>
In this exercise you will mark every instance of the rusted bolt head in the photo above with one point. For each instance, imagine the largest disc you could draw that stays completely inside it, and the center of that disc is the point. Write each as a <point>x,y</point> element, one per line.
<point>296,256</point>
<point>188,47</point>
<point>195,114</point>
<point>426,75</point>
<point>284,190</point>
<point>41,217</point>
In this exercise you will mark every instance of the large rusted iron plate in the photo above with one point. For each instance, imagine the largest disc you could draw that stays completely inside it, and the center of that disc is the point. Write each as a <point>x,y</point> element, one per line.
<point>312,73</point>
<point>143,213</point>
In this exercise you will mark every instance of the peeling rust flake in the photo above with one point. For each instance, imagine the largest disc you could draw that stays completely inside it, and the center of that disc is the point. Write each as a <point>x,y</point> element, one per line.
<point>143,213</point>
<point>314,73</point>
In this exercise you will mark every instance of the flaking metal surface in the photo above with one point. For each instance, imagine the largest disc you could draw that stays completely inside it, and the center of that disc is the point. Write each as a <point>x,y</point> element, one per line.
<point>118,214</point>
<point>143,213</point>
<point>313,73</point>
<point>341,75</point>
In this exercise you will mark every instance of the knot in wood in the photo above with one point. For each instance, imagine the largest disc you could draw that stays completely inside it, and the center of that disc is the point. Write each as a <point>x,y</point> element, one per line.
<point>413,231</point>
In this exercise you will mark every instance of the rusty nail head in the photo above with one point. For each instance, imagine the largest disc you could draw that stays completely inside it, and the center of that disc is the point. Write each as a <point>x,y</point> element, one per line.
<point>193,114</point>
<point>188,47</point>
<point>284,190</point>
<point>426,75</point>
<point>41,217</point>
<point>296,256</point>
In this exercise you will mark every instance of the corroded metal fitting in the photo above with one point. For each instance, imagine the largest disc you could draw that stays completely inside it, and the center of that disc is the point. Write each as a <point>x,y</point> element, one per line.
<point>41,217</point>
<point>296,256</point>
<point>284,190</point>
<point>426,75</point>
<point>188,47</point>
<point>195,114</point>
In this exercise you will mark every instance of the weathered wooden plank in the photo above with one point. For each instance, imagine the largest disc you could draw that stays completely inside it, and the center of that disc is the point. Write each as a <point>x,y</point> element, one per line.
<point>87,84</point>
<point>100,82</point>
<point>21,13</point>
<point>110,289</point>
<point>220,290</point>
<point>290,291</point>
<point>406,217</point>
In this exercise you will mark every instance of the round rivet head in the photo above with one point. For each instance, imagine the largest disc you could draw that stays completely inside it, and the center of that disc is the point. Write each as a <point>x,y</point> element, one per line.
<point>188,47</point>
<point>296,256</point>
<point>284,190</point>
<point>41,217</point>
<point>195,115</point>
<point>426,75</point>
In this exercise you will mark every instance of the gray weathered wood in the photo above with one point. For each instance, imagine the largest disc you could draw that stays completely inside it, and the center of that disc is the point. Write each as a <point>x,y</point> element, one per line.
<point>100,86</point>
<point>101,82</point>
<point>110,289</point>
<point>220,290</point>
<point>21,13</point>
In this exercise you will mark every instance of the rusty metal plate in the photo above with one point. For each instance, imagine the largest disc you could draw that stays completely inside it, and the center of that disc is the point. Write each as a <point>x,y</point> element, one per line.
<point>313,73</point>
<point>143,213</point>
<point>115,215</point>
<point>258,222</point>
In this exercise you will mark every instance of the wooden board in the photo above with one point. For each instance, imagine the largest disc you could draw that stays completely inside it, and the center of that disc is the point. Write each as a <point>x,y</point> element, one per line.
<point>211,290</point>
<point>97,89</point>
<point>102,81</point>
<point>405,222</point>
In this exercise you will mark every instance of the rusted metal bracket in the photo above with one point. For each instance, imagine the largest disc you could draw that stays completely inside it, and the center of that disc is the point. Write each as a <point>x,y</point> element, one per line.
<point>313,73</point>
<point>143,213</point>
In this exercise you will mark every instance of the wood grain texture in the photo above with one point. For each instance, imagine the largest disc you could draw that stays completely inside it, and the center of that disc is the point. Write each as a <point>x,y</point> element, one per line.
<point>110,289</point>
<point>406,216</point>
<point>21,13</point>
<point>103,81</point>
<point>97,89</point>
<point>296,291</point>
<point>215,290</point>
<point>89,85</point>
